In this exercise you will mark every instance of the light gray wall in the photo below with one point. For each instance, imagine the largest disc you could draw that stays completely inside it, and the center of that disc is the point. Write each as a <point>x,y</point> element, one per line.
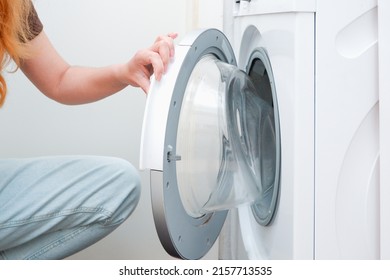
<point>98,33</point>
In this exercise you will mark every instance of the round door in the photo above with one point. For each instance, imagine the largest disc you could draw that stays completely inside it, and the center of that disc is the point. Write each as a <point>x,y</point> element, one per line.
<point>201,139</point>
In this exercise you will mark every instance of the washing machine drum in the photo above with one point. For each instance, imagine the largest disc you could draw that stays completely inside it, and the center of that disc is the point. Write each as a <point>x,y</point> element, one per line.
<point>211,143</point>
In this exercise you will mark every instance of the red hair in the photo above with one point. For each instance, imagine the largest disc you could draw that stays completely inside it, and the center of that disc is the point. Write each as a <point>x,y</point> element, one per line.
<point>14,34</point>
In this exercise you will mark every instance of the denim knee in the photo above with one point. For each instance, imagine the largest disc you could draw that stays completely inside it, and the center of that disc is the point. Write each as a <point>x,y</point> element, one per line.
<point>72,200</point>
<point>127,185</point>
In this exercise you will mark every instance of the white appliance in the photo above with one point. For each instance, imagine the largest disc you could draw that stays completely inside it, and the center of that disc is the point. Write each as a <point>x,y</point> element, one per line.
<point>285,156</point>
<point>384,120</point>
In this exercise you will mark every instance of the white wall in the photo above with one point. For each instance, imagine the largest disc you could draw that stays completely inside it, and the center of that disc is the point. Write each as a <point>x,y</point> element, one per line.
<point>97,33</point>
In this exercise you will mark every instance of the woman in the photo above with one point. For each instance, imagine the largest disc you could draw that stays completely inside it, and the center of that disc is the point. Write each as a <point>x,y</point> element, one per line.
<point>52,207</point>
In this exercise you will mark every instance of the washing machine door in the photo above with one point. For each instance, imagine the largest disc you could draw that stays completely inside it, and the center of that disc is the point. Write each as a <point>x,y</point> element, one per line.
<point>197,141</point>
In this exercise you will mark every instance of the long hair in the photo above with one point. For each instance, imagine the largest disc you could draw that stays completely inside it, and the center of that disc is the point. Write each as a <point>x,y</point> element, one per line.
<point>14,34</point>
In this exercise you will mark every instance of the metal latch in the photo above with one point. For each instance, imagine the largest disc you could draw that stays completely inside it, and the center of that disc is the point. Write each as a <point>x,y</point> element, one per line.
<point>171,156</point>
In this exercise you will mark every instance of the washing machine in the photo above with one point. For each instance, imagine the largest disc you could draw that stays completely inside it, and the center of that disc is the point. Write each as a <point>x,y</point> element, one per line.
<point>265,136</point>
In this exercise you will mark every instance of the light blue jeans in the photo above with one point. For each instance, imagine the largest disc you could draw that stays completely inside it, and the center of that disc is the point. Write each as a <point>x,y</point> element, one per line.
<point>53,207</point>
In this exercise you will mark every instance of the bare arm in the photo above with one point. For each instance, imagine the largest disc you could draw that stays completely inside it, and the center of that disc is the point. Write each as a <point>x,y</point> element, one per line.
<point>67,84</point>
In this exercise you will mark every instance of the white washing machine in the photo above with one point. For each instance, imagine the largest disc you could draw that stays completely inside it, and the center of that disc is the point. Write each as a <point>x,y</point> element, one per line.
<point>269,133</point>
<point>347,204</point>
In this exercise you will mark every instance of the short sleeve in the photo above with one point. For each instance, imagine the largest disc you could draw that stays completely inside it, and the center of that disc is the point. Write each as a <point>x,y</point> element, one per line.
<point>35,23</point>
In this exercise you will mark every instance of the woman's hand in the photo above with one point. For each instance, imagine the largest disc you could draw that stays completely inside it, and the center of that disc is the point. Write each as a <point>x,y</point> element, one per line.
<point>153,60</point>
